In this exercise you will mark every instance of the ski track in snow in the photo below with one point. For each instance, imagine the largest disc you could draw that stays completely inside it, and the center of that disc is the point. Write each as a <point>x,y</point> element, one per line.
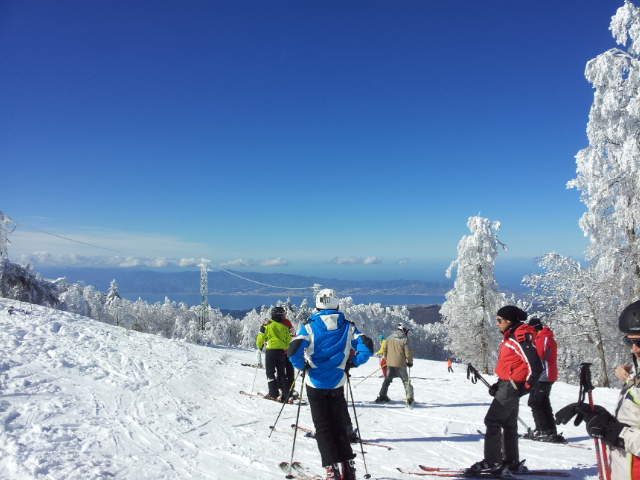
<point>83,400</point>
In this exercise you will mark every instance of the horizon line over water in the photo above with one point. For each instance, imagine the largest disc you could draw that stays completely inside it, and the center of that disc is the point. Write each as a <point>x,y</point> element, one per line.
<point>248,302</point>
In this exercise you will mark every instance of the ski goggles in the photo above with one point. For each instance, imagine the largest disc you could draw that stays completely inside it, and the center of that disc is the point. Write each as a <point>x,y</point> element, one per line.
<point>629,342</point>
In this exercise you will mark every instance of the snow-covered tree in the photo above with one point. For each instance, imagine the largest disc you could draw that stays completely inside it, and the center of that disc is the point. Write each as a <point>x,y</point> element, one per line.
<point>96,302</point>
<point>608,170</point>
<point>72,300</point>
<point>469,311</point>
<point>577,302</point>
<point>26,285</point>
<point>114,303</point>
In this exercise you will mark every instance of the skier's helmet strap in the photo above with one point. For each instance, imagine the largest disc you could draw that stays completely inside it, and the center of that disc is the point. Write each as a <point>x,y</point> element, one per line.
<point>629,320</point>
<point>327,300</point>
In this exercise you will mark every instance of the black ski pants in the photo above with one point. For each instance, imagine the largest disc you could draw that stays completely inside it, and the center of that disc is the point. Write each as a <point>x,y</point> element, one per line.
<point>502,425</point>
<point>330,416</point>
<point>541,408</point>
<point>290,373</point>
<point>274,365</point>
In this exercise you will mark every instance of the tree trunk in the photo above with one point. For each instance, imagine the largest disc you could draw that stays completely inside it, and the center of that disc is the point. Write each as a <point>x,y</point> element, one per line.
<point>601,355</point>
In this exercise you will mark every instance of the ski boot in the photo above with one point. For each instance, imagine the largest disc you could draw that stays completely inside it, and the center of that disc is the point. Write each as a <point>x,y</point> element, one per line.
<point>384,399</point>
<point>332,472</point>
<point>485,467</point>
<point>516,467</point>
<point>348,470</point>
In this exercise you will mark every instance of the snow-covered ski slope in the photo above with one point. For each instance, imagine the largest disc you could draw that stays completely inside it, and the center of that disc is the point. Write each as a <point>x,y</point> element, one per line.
<point>83,400</point>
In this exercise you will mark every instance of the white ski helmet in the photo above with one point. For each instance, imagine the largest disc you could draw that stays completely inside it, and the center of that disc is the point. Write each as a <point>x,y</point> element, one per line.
<point>402,328</point>
<point>327,300</point>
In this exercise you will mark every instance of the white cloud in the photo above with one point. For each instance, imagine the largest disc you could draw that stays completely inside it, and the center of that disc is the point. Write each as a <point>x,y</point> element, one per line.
<point>240,262</point>
<point>274,262</point>
<point>356,260</point>
<point>346,260</point>
<point>188,262</point>
<point>372,260</point>
<point>73,260</point>
<point>402,261</point>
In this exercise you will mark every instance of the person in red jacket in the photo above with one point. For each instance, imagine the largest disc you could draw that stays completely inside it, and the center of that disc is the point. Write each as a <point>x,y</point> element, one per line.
<point>539,401</point>
<point>518,370</point>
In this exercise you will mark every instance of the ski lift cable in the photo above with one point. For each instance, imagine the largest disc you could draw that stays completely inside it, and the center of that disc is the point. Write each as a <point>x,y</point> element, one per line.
<point>153,258</point>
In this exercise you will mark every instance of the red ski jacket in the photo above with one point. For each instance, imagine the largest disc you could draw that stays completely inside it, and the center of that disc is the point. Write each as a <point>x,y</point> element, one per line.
<point>548,351</point>
<point>517,357</point>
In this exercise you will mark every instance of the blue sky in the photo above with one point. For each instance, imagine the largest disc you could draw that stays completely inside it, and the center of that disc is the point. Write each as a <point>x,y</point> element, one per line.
<point>345,138</point>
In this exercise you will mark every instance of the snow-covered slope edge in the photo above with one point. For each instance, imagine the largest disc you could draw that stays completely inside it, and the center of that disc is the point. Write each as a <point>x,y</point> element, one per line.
<point>81,399</point>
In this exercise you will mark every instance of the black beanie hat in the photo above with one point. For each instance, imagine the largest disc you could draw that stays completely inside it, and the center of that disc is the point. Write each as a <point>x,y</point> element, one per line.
<point>513,313</point>
<point>535,323</point>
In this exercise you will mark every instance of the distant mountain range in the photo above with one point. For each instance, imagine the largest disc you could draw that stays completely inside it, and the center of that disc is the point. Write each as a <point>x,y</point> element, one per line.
<point>134,281</point>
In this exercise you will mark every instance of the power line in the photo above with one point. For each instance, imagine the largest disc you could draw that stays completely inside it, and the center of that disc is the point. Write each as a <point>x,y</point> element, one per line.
<point>154,258</point>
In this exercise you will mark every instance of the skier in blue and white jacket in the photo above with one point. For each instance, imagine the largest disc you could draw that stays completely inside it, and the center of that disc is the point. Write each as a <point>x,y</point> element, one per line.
<point>327,346</point>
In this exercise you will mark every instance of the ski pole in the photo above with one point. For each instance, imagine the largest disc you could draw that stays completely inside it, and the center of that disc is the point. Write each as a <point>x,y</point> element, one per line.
<point>476,376</point>
<point>254,379</point>
<point>285,402</point>
<point>366,377</point>
<point>406,390</point>
<point>295,432</point>
<point>355,416</point>
<point>585,388</point>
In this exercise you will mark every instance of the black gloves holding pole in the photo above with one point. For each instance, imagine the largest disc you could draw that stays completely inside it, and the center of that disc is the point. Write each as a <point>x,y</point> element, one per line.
<point>599,422</point>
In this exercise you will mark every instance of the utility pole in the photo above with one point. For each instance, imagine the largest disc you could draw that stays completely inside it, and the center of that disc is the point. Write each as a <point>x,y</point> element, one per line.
<point>203,314</point>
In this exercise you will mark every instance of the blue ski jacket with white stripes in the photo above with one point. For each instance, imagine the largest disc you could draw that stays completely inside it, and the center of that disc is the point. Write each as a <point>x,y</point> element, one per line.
<point>325,342</point>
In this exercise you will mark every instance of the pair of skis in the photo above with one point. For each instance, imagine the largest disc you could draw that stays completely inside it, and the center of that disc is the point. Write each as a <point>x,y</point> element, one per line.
<point>566,443</point>
<point>312,434</point>
<point>299,472</point>
<point>459,473</point>
<point>291,401</point>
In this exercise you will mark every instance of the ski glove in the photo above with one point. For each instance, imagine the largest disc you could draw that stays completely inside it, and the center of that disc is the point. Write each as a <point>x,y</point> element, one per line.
<point>578,410</point>
<point>601,424</point>
<point>566,413</point>
<point>523,390</point>
<point>348,367</point>
<point>409,365</point>
<point>493,389</point>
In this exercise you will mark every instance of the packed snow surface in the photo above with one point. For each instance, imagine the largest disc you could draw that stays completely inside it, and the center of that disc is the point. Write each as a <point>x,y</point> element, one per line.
<point>83,400</point>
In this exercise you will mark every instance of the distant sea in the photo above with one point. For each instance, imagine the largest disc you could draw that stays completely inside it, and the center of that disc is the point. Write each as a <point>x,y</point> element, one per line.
<point>247,302</point>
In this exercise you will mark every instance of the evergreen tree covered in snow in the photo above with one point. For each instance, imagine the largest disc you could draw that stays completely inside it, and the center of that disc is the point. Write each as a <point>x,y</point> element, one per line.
<point>469,311</point>
<point>608,170</point>
<point>114,303</point>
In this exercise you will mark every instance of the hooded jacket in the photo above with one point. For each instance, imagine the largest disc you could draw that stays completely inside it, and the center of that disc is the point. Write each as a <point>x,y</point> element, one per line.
<point>275,335</point>
<point>397,351</point>
<point>518,360</point>
<point>547,349</point>
<point>325,342</point>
